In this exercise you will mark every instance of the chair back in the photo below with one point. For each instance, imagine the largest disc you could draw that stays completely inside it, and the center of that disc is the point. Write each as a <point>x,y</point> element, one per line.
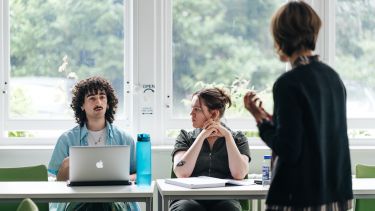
<point>364,171</point>
<point>27,205</point>
<point>29,173</point>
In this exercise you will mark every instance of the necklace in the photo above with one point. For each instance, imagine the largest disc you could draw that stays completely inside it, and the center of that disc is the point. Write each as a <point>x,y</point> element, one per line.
<point>96,138</point>
<point>99,140</point>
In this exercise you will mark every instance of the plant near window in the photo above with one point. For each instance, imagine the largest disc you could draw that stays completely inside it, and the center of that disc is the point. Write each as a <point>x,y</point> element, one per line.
<point>237,89</point>
<point>64,68</point>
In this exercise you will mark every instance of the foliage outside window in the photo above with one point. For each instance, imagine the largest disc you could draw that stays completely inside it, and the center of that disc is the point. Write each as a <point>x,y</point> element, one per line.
<point>355,50</point>
<point>224,43</point>
<point>55,43</point>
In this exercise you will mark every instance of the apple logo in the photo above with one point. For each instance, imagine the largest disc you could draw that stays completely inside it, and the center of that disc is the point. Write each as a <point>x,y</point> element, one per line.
<point>99,164</point>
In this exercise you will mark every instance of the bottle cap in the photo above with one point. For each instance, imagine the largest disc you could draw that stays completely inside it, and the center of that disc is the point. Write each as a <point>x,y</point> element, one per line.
<point>143,137</point>
<point>267,157</point>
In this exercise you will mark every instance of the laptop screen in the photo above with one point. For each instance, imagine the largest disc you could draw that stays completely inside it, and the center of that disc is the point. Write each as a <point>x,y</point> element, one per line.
<point>105,163</point>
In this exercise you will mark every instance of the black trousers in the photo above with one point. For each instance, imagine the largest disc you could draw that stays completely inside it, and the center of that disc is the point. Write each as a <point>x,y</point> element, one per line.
<point>205,205</point>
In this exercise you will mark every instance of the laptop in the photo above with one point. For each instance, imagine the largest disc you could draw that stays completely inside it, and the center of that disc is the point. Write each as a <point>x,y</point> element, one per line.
<point>105,165</point>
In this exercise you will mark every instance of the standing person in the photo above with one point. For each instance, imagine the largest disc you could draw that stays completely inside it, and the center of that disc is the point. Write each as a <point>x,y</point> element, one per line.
<point>308,130</point>
<point>212,149</point>
<point>94,104</point>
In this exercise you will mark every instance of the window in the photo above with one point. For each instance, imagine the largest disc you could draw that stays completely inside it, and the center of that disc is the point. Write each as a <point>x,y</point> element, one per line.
<point>224,43</point>
<point>174,47</point>
<point>355,49</point>
<point>52,45</point>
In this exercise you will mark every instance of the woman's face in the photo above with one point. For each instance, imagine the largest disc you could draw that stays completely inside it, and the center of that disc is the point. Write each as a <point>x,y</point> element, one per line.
<point>199,112</point>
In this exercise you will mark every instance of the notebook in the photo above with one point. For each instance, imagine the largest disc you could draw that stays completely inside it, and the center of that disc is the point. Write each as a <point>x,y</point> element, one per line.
<point>105,165</point>
<point>206,182</point>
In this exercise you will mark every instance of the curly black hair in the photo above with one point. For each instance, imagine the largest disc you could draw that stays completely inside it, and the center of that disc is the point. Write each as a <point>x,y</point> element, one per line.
<point>93,85</point>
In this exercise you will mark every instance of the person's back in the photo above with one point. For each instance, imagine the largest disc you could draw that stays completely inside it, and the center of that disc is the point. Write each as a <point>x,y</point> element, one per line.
<point>318,170</point>
<point>307,132</point>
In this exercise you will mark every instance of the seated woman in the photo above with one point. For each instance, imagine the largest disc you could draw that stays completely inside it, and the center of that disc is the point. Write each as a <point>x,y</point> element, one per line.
<point>211,149</point>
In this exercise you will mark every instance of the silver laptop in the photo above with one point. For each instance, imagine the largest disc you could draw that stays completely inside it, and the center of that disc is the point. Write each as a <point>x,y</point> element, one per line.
<point>106,165</point>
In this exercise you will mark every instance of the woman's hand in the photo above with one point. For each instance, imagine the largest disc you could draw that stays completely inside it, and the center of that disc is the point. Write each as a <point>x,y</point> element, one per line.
<point>218,130</point>
<point>255,106</point>
<point>209,130</point>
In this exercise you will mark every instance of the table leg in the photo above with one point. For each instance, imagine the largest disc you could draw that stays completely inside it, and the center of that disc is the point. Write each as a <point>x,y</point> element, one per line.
<point>160,206</point>
<point>149,204</point>
<point>165,203</point>
<point>259,204</point>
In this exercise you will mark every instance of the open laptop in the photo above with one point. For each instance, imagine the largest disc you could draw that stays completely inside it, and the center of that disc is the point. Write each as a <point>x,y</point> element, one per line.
<point>106,165</point>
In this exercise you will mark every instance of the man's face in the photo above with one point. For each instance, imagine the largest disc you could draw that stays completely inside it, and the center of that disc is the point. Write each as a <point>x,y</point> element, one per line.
<point>95,105</point>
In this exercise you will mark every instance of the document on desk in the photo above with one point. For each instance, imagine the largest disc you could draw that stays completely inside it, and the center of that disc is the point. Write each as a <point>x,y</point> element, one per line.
<point>206,182</point>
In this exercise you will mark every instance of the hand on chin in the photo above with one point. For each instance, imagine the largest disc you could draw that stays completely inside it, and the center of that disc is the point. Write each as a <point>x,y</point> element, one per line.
<point>216,133</point>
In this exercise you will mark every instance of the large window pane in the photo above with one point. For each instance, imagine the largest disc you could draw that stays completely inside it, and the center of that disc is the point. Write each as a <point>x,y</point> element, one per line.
<point>224,43</point>
<point>355,50</point>
<point>53,44</point>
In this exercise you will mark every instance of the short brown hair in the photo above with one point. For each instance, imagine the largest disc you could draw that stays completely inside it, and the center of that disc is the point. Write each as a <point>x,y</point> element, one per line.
<point>88,86</point>
<point>214,98</point>
<point>295,27</point>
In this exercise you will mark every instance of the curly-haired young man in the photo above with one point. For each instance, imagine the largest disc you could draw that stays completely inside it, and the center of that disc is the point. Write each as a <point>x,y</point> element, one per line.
<point>94,104</point>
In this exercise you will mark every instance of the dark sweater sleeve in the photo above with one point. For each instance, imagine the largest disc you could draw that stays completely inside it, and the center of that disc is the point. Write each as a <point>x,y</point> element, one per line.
<point>284,135</point>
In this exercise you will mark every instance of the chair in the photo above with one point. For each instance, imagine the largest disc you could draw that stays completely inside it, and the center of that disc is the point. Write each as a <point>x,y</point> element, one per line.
<point>364,171</point>
<point>27,205</point>
<point>30,173</point>
<point>245,204</point>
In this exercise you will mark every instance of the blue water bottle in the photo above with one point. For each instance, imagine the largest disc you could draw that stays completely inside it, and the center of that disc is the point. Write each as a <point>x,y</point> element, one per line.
<point>266,170</point>
<point>143,150</point>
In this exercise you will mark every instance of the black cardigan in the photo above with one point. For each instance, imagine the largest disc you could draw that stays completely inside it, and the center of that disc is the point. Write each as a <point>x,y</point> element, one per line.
<point>309,135</point>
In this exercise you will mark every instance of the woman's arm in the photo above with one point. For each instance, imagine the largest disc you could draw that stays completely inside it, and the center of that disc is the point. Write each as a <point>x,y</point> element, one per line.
<point>238,163</point>
<point>184,161</point>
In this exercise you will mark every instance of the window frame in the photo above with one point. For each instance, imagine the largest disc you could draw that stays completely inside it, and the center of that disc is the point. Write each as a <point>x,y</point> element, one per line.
<point>325,48</point>
<point>148,55</point>
<point>19,124</point>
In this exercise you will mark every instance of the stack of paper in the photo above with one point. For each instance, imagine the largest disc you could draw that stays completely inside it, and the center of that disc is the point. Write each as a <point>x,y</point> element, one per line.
<point>206,182</point>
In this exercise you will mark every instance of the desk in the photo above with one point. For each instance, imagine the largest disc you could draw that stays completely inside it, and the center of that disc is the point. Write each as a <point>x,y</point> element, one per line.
<point>362,188</point>
<point>60,192</point>
<point>168,192</point>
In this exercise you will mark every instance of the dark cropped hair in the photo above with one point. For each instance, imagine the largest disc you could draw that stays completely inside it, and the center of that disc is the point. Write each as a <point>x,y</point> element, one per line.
<point>214,98</point>
<point>295,27</point>
<point>93,85</point>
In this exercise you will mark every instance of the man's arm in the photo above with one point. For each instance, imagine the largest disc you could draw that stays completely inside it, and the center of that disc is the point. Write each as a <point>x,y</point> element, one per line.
<point>63,174</point>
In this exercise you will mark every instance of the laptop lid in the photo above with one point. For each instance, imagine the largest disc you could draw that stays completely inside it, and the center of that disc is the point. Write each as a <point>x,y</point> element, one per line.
<point>99,165</point>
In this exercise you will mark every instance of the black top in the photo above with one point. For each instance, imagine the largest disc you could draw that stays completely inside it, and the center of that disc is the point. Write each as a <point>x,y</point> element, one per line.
<point>211,163</point>
<point>309,135</point>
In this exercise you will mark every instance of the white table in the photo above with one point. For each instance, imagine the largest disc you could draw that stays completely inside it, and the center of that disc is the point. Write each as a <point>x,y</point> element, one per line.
<point>362,188</point>
<point>168,192</point>
<point>60,192</point>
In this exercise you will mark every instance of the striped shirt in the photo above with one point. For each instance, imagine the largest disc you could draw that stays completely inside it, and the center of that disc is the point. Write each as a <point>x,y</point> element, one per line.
<point>334,206</point>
